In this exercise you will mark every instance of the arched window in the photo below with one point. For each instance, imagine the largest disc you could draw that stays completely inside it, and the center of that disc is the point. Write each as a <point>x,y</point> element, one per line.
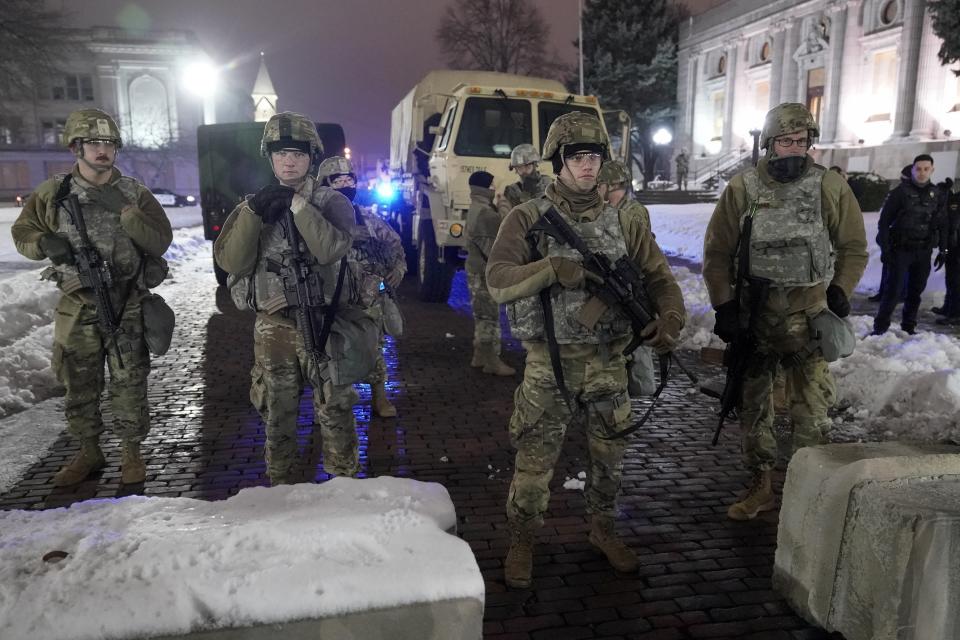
<point>765,51</point>
<point>149,112</point>
<point>888,12</point>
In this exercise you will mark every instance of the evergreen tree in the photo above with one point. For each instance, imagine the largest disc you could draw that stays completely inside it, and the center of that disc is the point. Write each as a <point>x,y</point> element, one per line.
<point>630,63</point>
<point>946,24</point>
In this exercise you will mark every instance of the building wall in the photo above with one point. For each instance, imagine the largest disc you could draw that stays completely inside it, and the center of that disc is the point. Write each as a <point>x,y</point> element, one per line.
<point>135,77</point>
<point>869,65</point>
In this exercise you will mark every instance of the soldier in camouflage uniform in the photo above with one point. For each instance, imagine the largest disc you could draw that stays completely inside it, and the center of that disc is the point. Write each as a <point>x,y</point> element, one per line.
<point>683,168</point>
<point>525,160</point>
<point>253,236</point>
<point>482,225</point>
<point>808,240</point>
<point>380,252</point>
<point>613,185</point>
<point>128,228</point>
<point>589,337</point>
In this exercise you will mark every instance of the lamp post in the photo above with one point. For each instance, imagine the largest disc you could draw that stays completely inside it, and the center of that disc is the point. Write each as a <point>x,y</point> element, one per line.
<point>661,138</point>
<point>756,145</point>
<point>201,78</point>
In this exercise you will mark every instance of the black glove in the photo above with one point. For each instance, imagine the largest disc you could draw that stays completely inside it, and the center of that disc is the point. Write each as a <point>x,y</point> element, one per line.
<point>837,301</point>
<point>940,260</point>
<point>108,197</point>
<point>57,248</point>
<point>728,320</point>
<point>271,202</point>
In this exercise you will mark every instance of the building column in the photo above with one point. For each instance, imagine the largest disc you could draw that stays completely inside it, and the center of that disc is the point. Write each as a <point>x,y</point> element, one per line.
<point>729,93</point>
<point>927,79</point>
<point>831,97</point>
<point>776,62</point>
<point>788,79</point>
<point>909,59</point>
<point>690,106</point>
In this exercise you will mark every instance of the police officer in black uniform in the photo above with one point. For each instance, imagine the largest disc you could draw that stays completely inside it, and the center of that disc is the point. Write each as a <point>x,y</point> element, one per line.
<point>911,225</point>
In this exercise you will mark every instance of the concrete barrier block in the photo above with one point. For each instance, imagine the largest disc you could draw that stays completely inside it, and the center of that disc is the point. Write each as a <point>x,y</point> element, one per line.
<point>814,512</point>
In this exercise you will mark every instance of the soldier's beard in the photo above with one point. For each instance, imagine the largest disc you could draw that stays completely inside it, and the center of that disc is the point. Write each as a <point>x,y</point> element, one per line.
<point>530,182</point>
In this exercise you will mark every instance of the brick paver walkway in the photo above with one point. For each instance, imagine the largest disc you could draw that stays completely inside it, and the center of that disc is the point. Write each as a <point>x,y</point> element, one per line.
<point>702,576</point>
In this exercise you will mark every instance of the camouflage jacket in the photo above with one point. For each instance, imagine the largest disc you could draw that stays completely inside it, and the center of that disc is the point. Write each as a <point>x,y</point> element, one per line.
<point>325,221</point>
<point>377,256</point>
<point>120,237</point>
<point>482,225</point>
<point>841,217</point>
<point>514,194</point>
<point>512,273</point>
<point>633,208</point>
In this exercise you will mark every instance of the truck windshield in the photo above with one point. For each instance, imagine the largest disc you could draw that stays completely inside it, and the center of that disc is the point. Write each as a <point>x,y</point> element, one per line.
<point>550,111</point>
<point>492,127</point>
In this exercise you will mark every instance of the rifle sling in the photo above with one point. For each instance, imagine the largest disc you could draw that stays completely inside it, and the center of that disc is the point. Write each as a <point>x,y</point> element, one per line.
<point>331,310</point>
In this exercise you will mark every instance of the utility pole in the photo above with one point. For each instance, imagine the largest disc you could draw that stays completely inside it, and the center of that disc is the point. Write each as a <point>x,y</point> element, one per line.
<point>580,39</point>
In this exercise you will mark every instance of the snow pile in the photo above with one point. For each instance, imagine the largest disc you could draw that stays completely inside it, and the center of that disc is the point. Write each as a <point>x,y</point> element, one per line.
<point>150,566</point>
<point>26,437</point>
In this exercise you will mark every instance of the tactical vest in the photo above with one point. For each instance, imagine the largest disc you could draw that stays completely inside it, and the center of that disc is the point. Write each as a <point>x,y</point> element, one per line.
<point>268,291</point>
<point>368,262</point>
<point>603,235</point>
<point>105,233</point>
<point>790,244</point>
<point>515,194</point>
<point>914,227</point>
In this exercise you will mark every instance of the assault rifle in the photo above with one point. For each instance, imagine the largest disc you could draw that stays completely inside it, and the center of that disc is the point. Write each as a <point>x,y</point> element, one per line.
<point>739,353</point>
<point>622,288</point>
<point>304,292</point>
<point>95,275</point>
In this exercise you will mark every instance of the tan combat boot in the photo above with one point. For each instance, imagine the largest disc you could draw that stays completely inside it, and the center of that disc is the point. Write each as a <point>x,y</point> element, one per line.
<point>132,468</point>
<point>758,497</point>
<point>88,459</point>
<point>491,361</point>
<point>477,360</point>
<point>518,566</point>
<point>604,538</point>
<point>379,403</point>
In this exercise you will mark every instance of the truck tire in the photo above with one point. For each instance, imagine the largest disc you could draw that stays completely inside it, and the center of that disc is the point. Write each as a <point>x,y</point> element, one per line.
<point>434,278</point>
<point>220,274</point>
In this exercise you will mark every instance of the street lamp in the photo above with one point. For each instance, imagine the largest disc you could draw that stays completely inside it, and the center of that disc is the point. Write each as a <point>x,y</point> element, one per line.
<point>756,145</point>
<point>201,79</point>
<point>661,138</point>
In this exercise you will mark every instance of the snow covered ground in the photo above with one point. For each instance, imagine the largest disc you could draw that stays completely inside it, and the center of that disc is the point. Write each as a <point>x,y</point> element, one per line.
<point>265,555</point>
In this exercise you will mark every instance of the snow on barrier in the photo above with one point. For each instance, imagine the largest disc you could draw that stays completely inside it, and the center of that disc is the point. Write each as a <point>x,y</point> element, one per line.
<point>345,559</point>
<point>867,539</point>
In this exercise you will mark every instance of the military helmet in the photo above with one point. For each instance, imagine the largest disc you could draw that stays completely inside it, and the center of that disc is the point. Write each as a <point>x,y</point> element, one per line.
<point>575,127</point>
<point>291,126</point>
<point>523,154</point>
<point>787,118</point>
<point>613,172</point>
<point>333,166</point>
<point>90,124</point>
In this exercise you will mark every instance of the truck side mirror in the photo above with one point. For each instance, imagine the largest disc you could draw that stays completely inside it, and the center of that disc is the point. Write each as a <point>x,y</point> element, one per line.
<point>435,130</point>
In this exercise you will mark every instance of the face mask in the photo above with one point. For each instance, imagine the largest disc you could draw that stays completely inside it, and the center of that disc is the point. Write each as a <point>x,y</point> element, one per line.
<point>531,182</point>
<point>786,169</point>
<point>349,192</point>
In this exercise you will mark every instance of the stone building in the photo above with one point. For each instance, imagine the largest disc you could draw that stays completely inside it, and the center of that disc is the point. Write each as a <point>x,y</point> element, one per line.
<point>136,76</point>
<point>867,69</point>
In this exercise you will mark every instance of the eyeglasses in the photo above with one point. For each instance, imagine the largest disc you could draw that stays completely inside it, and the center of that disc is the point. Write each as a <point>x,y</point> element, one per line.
<point>786,143</point>
<point>584,157</point>
<point>343,181</point>
<point>98,142</point>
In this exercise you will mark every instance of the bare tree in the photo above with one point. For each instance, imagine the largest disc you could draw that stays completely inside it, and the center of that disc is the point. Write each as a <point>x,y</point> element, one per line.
<point>34,44</point>
<point>497,35</point>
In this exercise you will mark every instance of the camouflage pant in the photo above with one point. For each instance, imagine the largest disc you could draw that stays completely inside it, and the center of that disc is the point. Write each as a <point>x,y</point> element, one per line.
<point>281,368</point>
<point>78,355</point>
<point>379,373</point>
<point>486,312</point>
<point>810,390</point>
<point>539,424</point>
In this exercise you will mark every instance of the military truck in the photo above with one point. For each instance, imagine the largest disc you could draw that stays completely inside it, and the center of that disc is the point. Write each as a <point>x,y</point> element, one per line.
<point>449,125</point>
<point>231,168</point>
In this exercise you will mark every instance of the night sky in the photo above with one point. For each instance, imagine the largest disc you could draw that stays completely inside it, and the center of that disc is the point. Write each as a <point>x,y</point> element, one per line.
<point>347,62</point>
